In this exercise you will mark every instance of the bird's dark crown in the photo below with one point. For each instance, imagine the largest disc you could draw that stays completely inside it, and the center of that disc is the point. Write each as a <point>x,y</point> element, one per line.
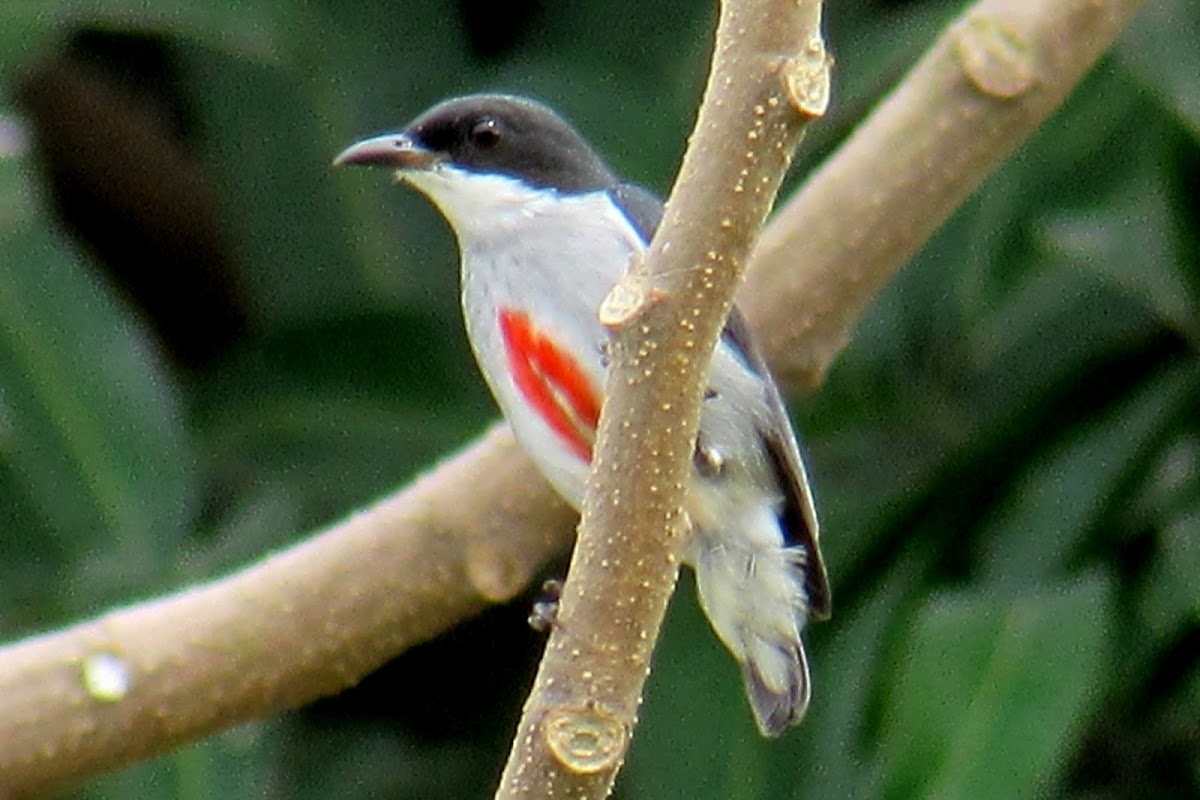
<point>502,134</point>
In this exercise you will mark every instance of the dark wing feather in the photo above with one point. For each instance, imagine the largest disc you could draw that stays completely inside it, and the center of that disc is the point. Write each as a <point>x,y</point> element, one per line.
<point>644,211</point>
<point>799,513</point>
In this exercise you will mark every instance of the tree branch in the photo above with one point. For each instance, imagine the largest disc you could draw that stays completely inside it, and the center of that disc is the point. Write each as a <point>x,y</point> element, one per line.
<point>985,85</point>
<point>302,624</point>
<point>769,77</point>
<point>472,532</point>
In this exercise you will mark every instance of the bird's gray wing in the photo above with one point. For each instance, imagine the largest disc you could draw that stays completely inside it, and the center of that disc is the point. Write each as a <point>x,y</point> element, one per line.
<point>799,512</point>
<point>644,211</point>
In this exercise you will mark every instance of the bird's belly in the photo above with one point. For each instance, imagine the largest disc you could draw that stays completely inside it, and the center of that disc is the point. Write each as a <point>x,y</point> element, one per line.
<point>539,343</point>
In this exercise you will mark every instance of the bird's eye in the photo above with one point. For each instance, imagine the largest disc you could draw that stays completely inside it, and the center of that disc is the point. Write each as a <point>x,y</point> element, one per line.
<point>485,133</point>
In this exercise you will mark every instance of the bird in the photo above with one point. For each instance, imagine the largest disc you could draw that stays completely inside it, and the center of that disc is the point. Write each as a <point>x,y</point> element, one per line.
<point>545,228</point>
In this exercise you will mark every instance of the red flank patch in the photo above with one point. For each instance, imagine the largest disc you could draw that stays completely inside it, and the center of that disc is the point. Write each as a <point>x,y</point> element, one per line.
<point>552,381</point>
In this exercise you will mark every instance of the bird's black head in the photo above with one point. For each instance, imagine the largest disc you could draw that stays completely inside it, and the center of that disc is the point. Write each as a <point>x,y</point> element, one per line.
<point>498,134</point>
<point>511,136</point>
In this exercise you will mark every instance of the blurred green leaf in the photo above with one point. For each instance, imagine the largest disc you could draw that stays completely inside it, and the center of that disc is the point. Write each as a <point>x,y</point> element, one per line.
<point>274,167</point>
<point>1171,597</point>
<point>990,690</point>
<point>90,421</point>
<point>221,766</point>
<point>247,29</point>
<point>346,764</point>
<point>1131,241</point>
<point>1160,49</point>
<point>832,753</point>
<point>1065,492</point>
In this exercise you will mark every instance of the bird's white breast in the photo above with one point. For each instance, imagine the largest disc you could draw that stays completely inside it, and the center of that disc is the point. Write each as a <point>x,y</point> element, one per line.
<point>551,256</point>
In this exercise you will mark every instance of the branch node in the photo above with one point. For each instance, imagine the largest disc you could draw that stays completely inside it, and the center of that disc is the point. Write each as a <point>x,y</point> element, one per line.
<point>494,573</point>
<point>586,740</point>
<point>806,78</point>
<point>996,59</point>
<point>631,297</point>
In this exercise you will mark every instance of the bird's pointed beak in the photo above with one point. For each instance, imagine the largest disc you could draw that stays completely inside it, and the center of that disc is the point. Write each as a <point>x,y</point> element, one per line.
<point>395,150</point>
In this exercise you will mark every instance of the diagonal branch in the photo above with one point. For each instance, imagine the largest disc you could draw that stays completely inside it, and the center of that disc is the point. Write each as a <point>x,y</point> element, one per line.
<point>302,624</point>
<point>473,531</point>
<point>769,78</point>
<point>992,77</point>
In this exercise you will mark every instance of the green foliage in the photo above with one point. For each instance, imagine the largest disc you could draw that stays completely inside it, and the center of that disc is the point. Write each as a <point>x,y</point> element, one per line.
<point>1006,456</point>
<point>989,691</point>
<point>98,469</point>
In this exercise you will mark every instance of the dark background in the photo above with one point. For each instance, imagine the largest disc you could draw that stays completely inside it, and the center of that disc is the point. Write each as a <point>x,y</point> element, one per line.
<point>211,343</point>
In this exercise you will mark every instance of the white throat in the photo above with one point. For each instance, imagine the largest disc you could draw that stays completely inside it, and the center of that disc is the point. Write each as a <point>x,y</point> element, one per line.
<point>488,210</point>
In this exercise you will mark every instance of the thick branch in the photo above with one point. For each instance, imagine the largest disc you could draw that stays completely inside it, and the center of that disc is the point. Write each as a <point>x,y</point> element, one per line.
<point>473,531</point>
<point>302,624</point>
<point>769,77</point>
<point>987,83</point>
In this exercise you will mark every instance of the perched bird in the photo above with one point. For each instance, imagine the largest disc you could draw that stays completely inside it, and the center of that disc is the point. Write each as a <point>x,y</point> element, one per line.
<point>545,229</point>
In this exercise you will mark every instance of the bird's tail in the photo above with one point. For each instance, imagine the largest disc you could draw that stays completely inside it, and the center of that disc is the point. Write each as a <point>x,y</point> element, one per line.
<point>777,704</point>
<point>752,590</point>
